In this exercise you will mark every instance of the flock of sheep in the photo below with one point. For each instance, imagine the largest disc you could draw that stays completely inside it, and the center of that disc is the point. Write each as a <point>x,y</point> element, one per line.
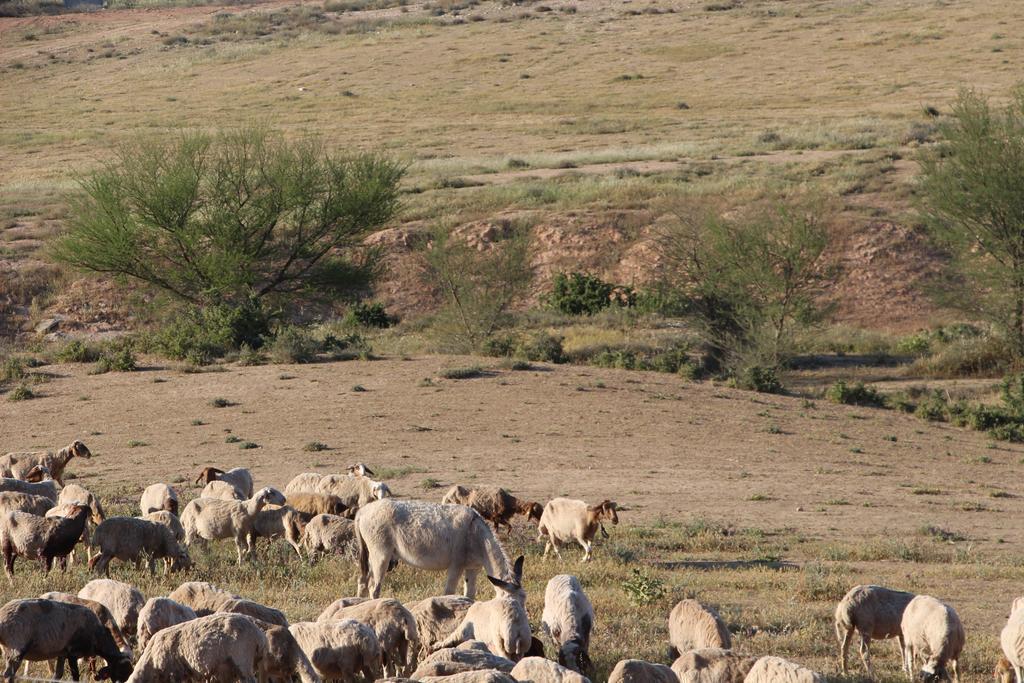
<point>203,633</point>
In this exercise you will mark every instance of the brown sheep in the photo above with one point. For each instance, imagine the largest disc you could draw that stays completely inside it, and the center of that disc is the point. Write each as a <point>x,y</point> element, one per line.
<point>309,505</point>
<point>40,538</point>
<point>567,520</point>
<point>494,504</point>
<point>239,477</point>
<point>17,465</point>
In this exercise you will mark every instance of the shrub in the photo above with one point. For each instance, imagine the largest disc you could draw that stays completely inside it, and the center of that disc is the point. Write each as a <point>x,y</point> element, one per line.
<point>462,373</point>
<point>543,347</point>
<point>22,392</point>
<point>582,294</point>
<point>294,344</point>
<point>315,446</point>
<point>857,394</point>
<point>760,378</point>
<point>643,589</point>
<point>200,334</point>
<point>12,370</point>
<point>368,315</point>
<point>115,360</point>
<point>934,408</point>
<point>500,346</point>
<point>248,356</point>
<point>77,351</point>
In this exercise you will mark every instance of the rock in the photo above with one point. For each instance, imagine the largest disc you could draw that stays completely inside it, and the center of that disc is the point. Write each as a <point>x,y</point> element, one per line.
<point>50,324</point>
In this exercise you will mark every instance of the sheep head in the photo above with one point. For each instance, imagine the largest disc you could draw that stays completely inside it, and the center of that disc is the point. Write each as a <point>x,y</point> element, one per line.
<point>360,470</point>
<point>118,669</point>
<point>37,474</point>
<point>208,474</point>
<point>77,449</point>
<point>380,490</point>
<point>607,510</point>
<point>335,506</point>
<point>181,561</point>
<point>573,655</point>
<point>270,495</point>
<point>532,511</point>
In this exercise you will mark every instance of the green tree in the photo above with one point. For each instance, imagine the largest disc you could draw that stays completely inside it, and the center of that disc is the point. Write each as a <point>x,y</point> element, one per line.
<point>478,286</point>
<point>233,218</point>
<point>750,278</point>
<point>973,190</point>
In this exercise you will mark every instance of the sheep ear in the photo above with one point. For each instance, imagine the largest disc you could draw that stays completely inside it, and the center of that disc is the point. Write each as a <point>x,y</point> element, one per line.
<point>517,570</point>
<point>504,585</point>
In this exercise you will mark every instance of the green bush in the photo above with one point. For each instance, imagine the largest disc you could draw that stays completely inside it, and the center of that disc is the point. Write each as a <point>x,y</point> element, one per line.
<point>248,356</point>
<point>294,344</point>
<point>934,408</point>
<point>200,334</point>
<point>346,347</point>
<point>915,345</point>
<point>543,347</point>
<point>77,351</point>
<point>470,372</point>
<point>118,359</point>
<point>582,294</point>
<point>760,378</point>
<point>643,589</point>
<point>12,370</point>
<point>500,346</point>
<point>857,394</point>
<point>368,315</point>
<point>22,392</point>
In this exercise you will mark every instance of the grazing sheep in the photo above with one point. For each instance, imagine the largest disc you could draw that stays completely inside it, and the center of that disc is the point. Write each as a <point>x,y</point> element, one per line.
<point>24,502</point>
<point>1012,639</point>
<point>284,657</point>
<point>311,504</point>
<point>19,465</point>
<point>40,630</point>
<point>221,490</point>
<point>329,534</point>
<point>932,631</point>
<point>568,618</point>
<point>469,656</point>
<point>170,521</point>
<point>712,665</point>
<point>122,599</point>
<point>239,477</point>
<point>427,536</point>
<point>204,598</point>
<point>159,497</point>
<point>101,612</point>
<point>874,612</point>
<point>132,539</point>
<point>46,487</point>
<point>213,520</point>
<point>778,670</point>
<point>353,491</point>
<point>253,609</point>
<point>494,504</point>
<point>276,521</point>
<point>637,671</point>
<point>220,647</point>
<point>394,625</point>
<point>158,614</point>
<point>40,538</point>
<point>340,649</point>
<point>488,676</point>
<point>565,520</point>
<point>693,626</point>
<point>307,482</point>
<point>540,670</point>
<point>502,622</point>
<point>436,618</point>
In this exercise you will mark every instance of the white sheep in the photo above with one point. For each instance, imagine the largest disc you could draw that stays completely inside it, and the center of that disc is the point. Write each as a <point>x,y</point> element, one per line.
<point>159,497</point>
<point>873,611</point>
<point>158,614</point>
<point>712,665</point>
<point>933,632</point>
<point>437,617</point>
<point>278,521</point>
<point>24,502</point>
<point>429,536</point>
<point>353,491</point>
<point>1012,639</point>
<point>221,490</point>
<point>568,618</point>
<point>122,599</point>
<point>204,598</point>
<point>540,670</point>
<point>565,520</point>
<point>778,670</point>
<point>251,608</point>
<point>329,534</point>
<point>694,626</point>
<point>502,622</point>
<point>638,671</point>
<point>219,647</point>
<point>45,487</point>
<point>132,539</point>
<point>40,538</point>
<point>474,676</point>
<point>239,477</point>
<point>307,482</point>
<point>284,657</point>
<point>472,655</point>
<point>19,465</point>
<point>340,649</point>
<point>393,624</point>
<point>40,630</point>
<point>211,519</point>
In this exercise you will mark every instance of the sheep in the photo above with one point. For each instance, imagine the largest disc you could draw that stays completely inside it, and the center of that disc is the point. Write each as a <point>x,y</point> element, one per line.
<point>359,470</point>
<point>874,612</point>
<point>130,538</point>
<point>354,491</point>
<point>501,622</point>
<point>101,612</point>
<point>255,610</point>
<point>328,534</point>
<point>123,600</point>
<point>284,657</point>
<point>24,502</point>
<point>1012,639</point>
<point>41,630</point>
<point>221,490</point>
<point>275,521</point>
<point>778,670</point>
<point>637,671</point>
<point>159,497</point>
<point>158,614</point>
<point>168,520</point>
<point>311,504</point>
<point>394,625</point>
<point>566,520</point>
<point>540,670</point>
<point>712,665</point>
<point>239,477</point>
<point>932,630</point>
<point>73,493</point>
<point>307,482</point>
<point>46,487</point>
<point>40,538</point>
<point>212,519</point>
<point>340,649</point>
<point>470,656</point>
<point>18,465</point>
<point>694,626</point>
<point>568,618</point>
<point>437,617</point>
<point>494,504</point>
<point>427,536</point>
<point>488,676</point>
<point>220,647</point>
<point>203,597</point>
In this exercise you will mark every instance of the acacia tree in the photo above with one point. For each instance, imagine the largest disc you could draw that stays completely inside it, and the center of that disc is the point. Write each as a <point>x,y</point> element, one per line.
<point>973,190</point>
<point>233,218</point>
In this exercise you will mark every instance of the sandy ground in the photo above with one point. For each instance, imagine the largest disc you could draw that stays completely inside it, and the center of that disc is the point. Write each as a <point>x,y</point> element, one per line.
<point>662,447</point>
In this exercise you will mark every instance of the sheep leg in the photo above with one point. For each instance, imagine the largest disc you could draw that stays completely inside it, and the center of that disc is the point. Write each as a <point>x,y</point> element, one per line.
<point>452,580</point>
<point>12,667</point>
<point>865,654</point>
<point>298,550</point>
<point>469,583</point>
<point>1017,673</point>
<point>378,570</point>
<point>844,646</point>
<point>953,669</point>
<point>587,547</point>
